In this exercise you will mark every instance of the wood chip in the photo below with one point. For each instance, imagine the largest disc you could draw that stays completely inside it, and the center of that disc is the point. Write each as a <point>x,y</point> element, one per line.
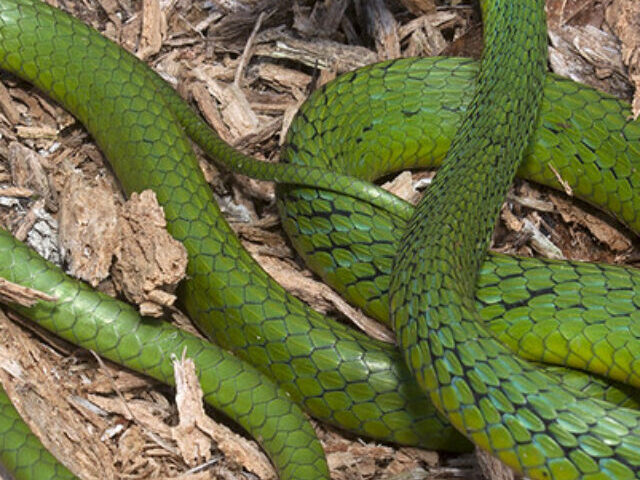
<point>17,192</point>
<point>37,132</point>
<point>12,293</point>
<point>210,112</point>
<point>154,29</point>
<point>282,77</point>
<point>383,28</point>
<point>418,7</point>
<point>624,17</point>
<point>88,227</point>
<point>322,54</point>
<point>42,396</point>
<point>195,431</point>
<point>7,107</point>
<point>402,186</point>
<point>424,37</point>
<point>235,109</point>
<point>149,262</point>
<point>530,233</point>
<point>27,171</point>
<point>586,53</point>
<point>570,212</point>
<point>323,20</point>
<point>565,185</point>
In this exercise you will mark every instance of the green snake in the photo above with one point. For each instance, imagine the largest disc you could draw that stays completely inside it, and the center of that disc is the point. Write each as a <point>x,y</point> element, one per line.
<point>400,113</point>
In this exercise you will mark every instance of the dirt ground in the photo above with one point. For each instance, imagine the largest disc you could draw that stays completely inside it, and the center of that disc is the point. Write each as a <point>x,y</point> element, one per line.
<point>246,66</point>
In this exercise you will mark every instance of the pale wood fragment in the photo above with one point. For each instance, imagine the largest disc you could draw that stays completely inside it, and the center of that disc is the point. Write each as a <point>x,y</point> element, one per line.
<point>322,54</point>
<point>88,227</point>
<point>7,107</point>
<point>154,29</point>
<point>149,262</point>
<point>383,28</point>
<point>196,431</point>
<point>13,293</point>
<point>624,18</point>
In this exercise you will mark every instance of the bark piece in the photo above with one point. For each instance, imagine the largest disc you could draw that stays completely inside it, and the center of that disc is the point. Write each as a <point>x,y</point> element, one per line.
<point>585,52</point>
<point>322,54</point>
<point>600,229</point>
<point>196,430</point>
<point>7,107</point>
<point>154,29</point>
<point>19,295</point>
<point>89,232</point>
<point>418,7</point>
<point>323,21</point>
<point>150,262</point>
<point>624,18</point>
<point>27,171</point>
<point>38,388</point>
<point>383,28</point>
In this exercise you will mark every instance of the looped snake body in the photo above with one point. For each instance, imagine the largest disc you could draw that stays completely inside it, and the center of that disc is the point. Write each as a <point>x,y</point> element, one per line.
<point>452,321</point>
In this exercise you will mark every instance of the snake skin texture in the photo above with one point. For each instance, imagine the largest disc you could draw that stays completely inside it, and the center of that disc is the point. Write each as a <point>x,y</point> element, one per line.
<point>503,404</point>
<point>116,331</point>
<point>339,375</point>
<point>22,452</point>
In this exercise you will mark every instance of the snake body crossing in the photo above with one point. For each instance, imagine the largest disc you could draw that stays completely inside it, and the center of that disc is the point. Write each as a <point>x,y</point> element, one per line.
<point>338,375</point>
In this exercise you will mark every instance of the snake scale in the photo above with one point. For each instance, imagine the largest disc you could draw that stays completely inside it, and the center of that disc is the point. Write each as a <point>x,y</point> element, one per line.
<point>558,424</point>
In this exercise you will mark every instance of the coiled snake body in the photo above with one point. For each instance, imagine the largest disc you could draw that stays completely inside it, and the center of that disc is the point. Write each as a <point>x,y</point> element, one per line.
<point>540,424</point>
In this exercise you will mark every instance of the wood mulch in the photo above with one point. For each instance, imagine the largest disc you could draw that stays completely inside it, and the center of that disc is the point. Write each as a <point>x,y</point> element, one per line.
<point>246,66</point>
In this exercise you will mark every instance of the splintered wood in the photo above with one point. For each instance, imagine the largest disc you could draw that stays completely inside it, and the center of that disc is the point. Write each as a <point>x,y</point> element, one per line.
<point>246,66</point>
<point>149,263</point>
<point>624,18</point>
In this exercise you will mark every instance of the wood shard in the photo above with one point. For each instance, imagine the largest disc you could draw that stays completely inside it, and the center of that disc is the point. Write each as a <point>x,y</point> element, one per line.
<point>37,132</point>
<point>16,192</point>
<point>88,227</point>
<point>402,186</point>
<point>7,107</point>
<point>154,29</point>
<point>424,37</point>
<point>43,395</point>
<point>27,171</point>
<point>195,431</point>
<point>19,295</point>
<point>418,7</point>
<point>323,21</point>
<point>383,28</point>
<point>600,229</point>
<point>282,77</point>
<point>322,54</point>
<point>624,18</point>
<point>588,54</point>
<point>150,262</point>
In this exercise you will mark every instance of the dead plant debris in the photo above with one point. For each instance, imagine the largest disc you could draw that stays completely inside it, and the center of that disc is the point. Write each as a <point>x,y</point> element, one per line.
<point>246,66</point>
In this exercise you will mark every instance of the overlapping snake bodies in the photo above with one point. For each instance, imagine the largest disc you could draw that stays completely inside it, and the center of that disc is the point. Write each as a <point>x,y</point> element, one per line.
<point>338,375</point>
<point>503,404</point>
